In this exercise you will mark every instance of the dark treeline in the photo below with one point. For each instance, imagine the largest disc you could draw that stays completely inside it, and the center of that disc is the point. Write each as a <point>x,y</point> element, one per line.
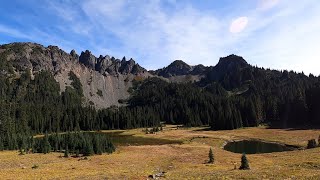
<point>191,105</point>
<point>74,143</point>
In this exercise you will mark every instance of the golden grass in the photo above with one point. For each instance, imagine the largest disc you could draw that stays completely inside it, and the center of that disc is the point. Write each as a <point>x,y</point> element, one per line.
<point>185,161</point>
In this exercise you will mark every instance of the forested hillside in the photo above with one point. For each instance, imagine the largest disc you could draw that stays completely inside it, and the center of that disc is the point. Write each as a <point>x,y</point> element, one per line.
<point>230,95</point>
<point>244,97</point>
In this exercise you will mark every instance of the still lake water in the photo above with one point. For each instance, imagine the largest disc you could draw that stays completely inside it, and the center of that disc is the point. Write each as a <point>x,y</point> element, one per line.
<point>120,139</point>
<point>256,147</point>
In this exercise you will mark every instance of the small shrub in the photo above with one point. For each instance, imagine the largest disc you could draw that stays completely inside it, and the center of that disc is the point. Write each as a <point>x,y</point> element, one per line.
<point>126,79</point>
<point>21,151</point>
<point>66,153</point>
<point>122,101</point>
<point>99,92</point>
<point>84,158</point>
<point>35,166</point>
<point>91,103</point>
<point>153,130</point>
<point>312,143</point>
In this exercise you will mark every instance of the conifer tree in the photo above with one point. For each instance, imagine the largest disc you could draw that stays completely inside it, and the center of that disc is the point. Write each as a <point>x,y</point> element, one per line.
<point>77,153</point>
<point>88,149</point>
<point>46,147</point>
<point>211,156</point>
<point>244,162</point>
<point>66,153</point>
<point>1,144</point>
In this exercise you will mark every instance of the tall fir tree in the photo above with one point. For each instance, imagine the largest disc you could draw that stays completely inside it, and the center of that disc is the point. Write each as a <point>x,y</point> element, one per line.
<point>211,156</point>
<point>46,147</point>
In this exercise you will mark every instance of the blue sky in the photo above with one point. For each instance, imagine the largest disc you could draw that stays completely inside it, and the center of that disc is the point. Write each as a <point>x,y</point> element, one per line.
<point>280,34</point>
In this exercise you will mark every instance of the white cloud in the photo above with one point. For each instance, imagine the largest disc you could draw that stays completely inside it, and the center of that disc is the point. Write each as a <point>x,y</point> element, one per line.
<point>238,24</point>
<point>287,39</point>
<point>158,37</point>
<point>106,9</point>
<point>13,32</point>
<point>267,4</point>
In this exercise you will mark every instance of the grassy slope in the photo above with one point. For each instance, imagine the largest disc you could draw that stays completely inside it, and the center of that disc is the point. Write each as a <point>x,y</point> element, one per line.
<point>186,161</point>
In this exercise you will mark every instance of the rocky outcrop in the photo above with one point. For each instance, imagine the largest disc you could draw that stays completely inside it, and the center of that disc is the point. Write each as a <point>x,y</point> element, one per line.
<point>103,62</point>
<point>74,54</point>
<point>130,67</point>
<point>88,59</point>
<point>110,66</point>
<point>108,76</point>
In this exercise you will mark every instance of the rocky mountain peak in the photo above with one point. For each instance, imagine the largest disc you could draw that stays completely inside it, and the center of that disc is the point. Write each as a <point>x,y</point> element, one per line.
<point>88,59</point>
<point>124,59</point>
<point>176,68</point>
<point>179,64</point>
<point>231,61</point>
<point>230,67</point>
<point>74,54</point>
<point>180,68</point>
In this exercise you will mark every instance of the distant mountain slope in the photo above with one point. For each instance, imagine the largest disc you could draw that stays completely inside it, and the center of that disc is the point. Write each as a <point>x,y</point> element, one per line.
<point>105,80</point>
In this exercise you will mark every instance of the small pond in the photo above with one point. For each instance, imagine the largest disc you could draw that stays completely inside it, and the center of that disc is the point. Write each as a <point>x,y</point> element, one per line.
<point>256,147</point>
<point>120,139</point>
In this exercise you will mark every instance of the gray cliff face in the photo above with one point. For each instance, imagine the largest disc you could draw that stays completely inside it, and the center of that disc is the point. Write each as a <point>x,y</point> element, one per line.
<point>108,76</point>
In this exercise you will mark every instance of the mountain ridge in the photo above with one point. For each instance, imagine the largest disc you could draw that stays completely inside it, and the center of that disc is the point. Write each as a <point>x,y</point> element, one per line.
<point>112,77</point>
<point>86,54</point>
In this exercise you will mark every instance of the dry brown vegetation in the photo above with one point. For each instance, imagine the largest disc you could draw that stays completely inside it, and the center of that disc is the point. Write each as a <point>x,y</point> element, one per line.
<point>179,161</point>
